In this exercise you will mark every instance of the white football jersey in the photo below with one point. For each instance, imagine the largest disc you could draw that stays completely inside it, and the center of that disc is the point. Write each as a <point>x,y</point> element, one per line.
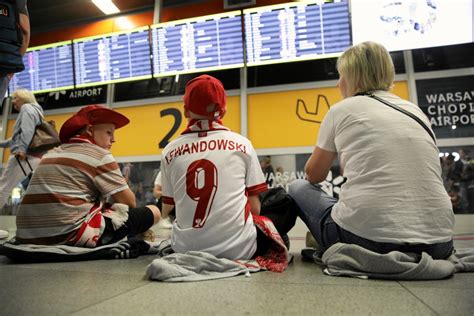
<point>208,176</point>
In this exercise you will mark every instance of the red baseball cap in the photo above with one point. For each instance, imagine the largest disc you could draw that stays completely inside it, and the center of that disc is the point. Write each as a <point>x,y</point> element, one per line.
<point>203,91</point>
<point>91,114</point>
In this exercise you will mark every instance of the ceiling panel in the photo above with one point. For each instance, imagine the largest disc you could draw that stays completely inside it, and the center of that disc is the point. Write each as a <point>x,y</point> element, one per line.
<point>48,15</point>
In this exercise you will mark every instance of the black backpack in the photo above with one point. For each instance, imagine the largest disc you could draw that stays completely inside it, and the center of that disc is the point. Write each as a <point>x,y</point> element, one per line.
<point>279,206</point>
<point>11,38</point>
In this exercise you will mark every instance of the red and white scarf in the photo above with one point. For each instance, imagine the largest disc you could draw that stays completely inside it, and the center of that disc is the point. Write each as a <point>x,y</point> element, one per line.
<point>202,126</point>
<point>276,258</point>
<point>91,229</point>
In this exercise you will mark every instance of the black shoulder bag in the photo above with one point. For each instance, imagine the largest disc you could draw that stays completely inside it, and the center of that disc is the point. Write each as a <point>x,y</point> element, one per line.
<point>396,107</point>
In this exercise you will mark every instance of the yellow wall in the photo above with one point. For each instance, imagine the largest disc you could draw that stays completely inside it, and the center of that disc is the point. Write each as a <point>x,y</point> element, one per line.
<point>147,127</point>
<point>273,120</point>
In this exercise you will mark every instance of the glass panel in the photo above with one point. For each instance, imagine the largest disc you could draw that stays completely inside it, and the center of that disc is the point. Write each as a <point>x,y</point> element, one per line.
<point>443,58</point>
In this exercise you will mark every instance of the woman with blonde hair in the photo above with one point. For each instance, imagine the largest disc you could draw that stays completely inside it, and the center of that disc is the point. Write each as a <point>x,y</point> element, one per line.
<point>30,113</point>
<point>394,197</point>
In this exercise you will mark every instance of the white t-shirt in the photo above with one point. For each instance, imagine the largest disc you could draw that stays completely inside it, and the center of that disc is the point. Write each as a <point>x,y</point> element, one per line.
<point>207,176</point>
<point>394,192</point>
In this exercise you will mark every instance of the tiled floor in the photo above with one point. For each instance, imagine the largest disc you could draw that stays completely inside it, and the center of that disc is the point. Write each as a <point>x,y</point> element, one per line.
<point>118,287</point>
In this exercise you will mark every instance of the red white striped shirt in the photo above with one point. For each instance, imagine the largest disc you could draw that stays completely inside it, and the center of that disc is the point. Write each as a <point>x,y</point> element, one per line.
<point>68,182</point>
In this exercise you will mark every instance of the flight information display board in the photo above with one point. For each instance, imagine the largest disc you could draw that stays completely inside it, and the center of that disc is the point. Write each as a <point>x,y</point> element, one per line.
<point>47,68</point>
<point>198,44</point>
<point>296,31</point>
<point>114,57</point>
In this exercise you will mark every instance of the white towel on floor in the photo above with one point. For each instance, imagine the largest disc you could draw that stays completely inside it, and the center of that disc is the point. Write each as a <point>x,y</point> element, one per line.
<point>197,266</point>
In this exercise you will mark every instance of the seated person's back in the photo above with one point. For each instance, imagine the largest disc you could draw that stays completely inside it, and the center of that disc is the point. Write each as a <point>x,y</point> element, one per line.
<point>213,177</point>
<point>65,200</point>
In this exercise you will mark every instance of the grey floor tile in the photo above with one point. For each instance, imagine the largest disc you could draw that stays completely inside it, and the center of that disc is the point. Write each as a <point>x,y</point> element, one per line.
<point>458,281</point>
<point>221,298</point>
<point>45,292</point>
<point>118,287</point>
<point>468,243</point>
<point>122,266</point>
<point>464,224</point>
<point>447,301</point>
<point>303,272</point>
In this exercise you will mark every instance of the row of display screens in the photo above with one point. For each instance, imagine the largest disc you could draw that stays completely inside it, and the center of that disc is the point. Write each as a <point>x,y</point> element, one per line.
<point>273,34</point>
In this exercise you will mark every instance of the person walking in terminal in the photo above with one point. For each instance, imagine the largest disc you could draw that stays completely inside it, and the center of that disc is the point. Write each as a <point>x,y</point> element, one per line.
<point>14,40</point>
<point>65,202</point>
<point>213,177</point>
<point>30,113</point>
<point>394,197</point>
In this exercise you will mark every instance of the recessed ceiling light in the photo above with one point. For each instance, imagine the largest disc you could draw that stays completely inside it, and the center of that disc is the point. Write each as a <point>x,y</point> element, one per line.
<point>106,6</point>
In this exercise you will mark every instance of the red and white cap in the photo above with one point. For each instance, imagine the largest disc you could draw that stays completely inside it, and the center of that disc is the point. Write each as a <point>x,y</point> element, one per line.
<point>205,96</point>
<point>91,114</point>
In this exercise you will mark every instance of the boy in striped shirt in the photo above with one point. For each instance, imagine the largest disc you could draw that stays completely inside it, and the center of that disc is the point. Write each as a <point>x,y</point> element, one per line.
<point>66,200</point>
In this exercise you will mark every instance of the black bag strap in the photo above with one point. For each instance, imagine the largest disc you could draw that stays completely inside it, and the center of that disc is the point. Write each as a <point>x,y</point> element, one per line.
<point>21,166</point>
<point>396,107</point>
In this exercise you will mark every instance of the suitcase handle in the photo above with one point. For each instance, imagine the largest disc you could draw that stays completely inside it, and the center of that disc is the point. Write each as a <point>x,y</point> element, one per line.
<point>21,166</point>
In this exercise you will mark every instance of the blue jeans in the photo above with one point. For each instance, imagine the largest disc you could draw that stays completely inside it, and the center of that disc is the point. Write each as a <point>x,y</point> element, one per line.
<point>315,208</point>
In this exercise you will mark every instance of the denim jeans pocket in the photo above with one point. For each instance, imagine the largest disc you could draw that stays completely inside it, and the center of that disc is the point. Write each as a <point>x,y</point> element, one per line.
<point>329,232</point>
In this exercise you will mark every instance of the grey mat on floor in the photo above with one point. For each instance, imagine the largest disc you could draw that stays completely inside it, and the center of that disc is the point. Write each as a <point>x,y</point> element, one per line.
<point>127,249</point>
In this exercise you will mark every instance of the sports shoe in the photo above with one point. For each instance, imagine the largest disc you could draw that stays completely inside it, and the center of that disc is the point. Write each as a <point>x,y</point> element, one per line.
<point>163,228</point>
<point>311,242</point>
<point>165,223</point>
<point>4,234</point>
<point>308,254</point>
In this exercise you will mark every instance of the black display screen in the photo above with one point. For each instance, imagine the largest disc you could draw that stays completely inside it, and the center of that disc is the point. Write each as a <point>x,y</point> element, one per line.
<point>296,31</point>
<point>205,43</point>
<point>47,68</point>
<point>112,58</point>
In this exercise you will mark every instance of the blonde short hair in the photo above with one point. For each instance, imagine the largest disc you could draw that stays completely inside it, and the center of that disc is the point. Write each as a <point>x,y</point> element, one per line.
<point>25,95</point>
<point>367,66</point>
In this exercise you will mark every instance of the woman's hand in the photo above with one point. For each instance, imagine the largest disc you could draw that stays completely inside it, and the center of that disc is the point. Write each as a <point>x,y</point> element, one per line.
<point>20,155</point>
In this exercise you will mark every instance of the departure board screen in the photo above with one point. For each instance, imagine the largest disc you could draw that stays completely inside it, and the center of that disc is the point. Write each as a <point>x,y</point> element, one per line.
<point>199,44</point>
<point>47,68</point>
<point>296,31</point>
<point>114,57</point>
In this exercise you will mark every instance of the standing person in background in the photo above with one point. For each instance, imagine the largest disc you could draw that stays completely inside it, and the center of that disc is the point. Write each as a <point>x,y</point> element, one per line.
<point>127,171</point>
<point>267,170</point>
<point>166,223</point>
<point>14,40</point>
<point>281,178</point>
<point>157,189</point>
<point>29,117</point>
<point>75,182</point>
<point>391,201</point>
<point>466,179</point>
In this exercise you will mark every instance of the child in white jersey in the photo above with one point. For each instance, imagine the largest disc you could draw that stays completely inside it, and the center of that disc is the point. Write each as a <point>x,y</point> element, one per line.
<point>213,178</point>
